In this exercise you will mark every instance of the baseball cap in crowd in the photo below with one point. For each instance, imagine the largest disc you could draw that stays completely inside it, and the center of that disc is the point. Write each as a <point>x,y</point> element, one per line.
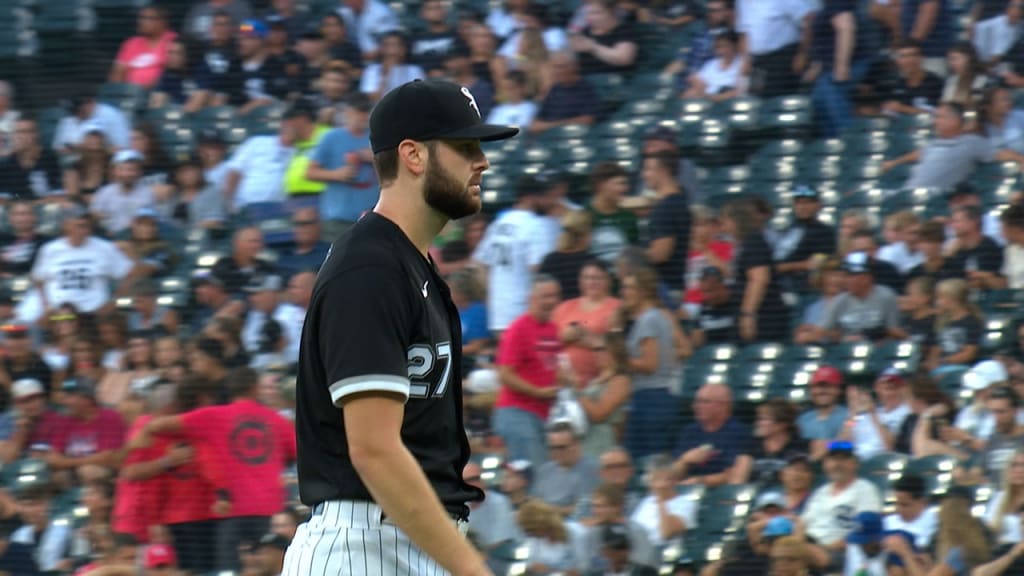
<point>840,448</point>
<point>985,374</point>
<point>252,29</point>
<point>123,156</point>
<point>429,110</point>
<point>81,386</point>
<point>711,273</point>
<point>769,500</point>
<point>273,541</point>
<point>147,212</point>
<point>93,127</point>
<point>798,458</point>
<point>893,375</point>
<point>26,388</point>
<point>264,283</point>
<point>805,192</point>
<point>867,529</point>
<point>662,133</point>
<point>778,527</point>
<point>827,375</point>
<point>615,537</point>
<point>14,330</point>
<point>205,276</point>
<point>531,185</point>
<point>962,189</point>
<point>857,263</point>
<point>210,136</point>
<point>158,555</point>
<point>522,467</point>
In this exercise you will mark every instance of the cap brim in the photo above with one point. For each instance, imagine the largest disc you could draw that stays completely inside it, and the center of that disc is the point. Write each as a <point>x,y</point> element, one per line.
<point>481,132</point>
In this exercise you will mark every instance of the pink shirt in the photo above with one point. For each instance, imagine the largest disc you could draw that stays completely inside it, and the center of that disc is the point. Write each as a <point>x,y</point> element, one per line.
<point>104,432</point>
<point>143,60</point>
<point>530,349</point>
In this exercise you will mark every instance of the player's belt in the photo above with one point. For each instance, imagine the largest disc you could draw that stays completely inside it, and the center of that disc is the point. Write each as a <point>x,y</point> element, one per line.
<point>321,508</point>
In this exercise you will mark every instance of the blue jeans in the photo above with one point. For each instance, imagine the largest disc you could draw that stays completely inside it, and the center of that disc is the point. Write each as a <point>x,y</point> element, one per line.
<point>650,424</point>
<point>833,110</point>
<point>523,434</point>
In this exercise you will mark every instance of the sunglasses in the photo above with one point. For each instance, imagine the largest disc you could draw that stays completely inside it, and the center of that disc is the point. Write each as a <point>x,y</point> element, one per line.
<point>305,222</point>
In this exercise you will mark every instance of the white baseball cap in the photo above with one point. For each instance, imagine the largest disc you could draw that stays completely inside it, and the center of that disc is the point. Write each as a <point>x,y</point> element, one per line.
<point>985,374</point>
<point>26,387</point>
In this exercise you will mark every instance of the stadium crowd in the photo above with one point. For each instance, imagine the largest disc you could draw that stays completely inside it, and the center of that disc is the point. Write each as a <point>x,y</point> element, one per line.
<point>662,374</point>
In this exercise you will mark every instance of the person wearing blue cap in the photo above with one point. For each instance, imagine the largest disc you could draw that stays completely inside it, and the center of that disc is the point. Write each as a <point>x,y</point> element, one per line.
<point>263,75</point>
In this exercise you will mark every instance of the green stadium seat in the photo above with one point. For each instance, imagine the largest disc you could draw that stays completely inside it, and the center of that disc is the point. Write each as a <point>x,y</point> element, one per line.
<point>789,147</point>
<point>1000,301</point>
<point>884,469</point>
<point>127,97</point>
<point>215,117</point>
<point>937,472</point>
<point>723,509</point>
<point>761,352</point>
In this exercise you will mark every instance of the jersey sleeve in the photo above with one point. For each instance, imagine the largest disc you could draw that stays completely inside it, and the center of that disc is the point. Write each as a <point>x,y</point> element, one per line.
<point>363,329</point>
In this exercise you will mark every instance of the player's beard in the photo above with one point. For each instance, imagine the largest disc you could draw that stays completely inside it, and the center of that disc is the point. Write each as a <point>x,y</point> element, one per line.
<point>447,194</point>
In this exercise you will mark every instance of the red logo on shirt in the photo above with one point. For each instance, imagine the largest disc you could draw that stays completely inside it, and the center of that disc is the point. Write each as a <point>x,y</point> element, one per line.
<point>251,442</point>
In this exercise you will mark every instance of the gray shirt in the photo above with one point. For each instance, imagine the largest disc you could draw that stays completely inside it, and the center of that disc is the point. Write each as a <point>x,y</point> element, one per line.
<point>207,206</point>
<point>494,521</point>
<point>653,324</point>
<point>560,486</point>
<point>870,317</point>
<point>946,162</point>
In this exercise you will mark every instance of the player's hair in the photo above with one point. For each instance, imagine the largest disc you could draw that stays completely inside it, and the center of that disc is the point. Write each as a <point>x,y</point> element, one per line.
<point>1013,216</point>
<point>242,381</point>
<point>931,231</point>
<point>385,163</point>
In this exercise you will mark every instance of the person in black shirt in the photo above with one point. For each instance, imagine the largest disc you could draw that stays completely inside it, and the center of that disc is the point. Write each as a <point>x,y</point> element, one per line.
<point>606,44</point>
<point>719,310</point>
<point>913,90</point>
<point>19,246</point>
<point>807,237</point>
<point>237,269</point>
<point>778,440</point>
<point>428,48</point>
<point>884,272</point>
<point>285,16</point>
<point>340,47</point>
<point>218,68</point>
<point>571,254</point>
<point>671,220</point>
<point>918,315</point>
<point>959,326</point>
<point>31,171</point>
<point>930,238</point>
<point>263,74</point>
<point>978,257</point>
<point>381,437</point>
<point>764,317</point>
<point>19,361</point>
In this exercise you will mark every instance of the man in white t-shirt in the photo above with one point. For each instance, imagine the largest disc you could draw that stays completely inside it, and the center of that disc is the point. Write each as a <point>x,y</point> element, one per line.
<point>665,515</point>
<point>875,428</point>
<point>913,512</point>
<point>90,115</point>
<point>78,268</point>
<point>256,170</point>
<point>292,313</point>
<point>831,511</point>
<point>512,249</point>
<point>517,109</point>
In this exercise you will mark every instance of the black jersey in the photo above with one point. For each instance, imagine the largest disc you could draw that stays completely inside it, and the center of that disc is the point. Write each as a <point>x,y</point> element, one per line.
<point>381,319</point>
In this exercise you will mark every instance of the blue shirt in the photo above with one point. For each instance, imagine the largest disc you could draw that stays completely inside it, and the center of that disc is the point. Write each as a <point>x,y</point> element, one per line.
<point>345,200</point>
<point>727,443</point>
<point>293,263</point>
<point>939,40</point>
<point>814,428</point>
<point>474,322</point>
<point>564,102</point>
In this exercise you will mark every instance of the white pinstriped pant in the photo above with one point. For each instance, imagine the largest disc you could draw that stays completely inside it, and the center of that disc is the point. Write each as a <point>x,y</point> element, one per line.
<point>349,538</point>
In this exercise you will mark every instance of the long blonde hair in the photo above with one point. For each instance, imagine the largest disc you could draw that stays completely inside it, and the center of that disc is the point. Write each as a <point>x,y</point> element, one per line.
<point>1010,494</point>
<point>955,289</point>
<point>576,226</point>
<point>958,528</point>
<point>537,518</point>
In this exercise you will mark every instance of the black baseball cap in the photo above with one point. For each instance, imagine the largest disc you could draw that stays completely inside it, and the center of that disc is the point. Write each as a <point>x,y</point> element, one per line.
<point>429,110</point>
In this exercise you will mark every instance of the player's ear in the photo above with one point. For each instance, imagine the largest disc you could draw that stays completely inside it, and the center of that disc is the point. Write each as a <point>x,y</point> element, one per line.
<point>413,155</point>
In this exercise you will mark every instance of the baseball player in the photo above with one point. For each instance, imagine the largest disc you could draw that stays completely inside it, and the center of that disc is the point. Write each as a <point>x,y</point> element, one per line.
<point>381,442</point>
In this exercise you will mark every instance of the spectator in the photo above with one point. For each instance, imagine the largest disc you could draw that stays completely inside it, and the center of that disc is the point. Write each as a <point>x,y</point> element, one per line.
<point>571,99</point>
<point>33,424</point>
<point>958,326</point>
<point>964,195</point>
<point>1001,123</point>
<point>830,281</point>
<point>255,172</point>
<point>228,331</point>
<point>7,117</point>
<point>196,203</point>
<point>978,257</point>
<point>967,79</point>
<point>664,515</point>
<point>869,548</point>
<point>151,255</point>
<point>617,473</point>
<point>935,265</point>
<point>429,46</point>
<point>142,58</point>
<point>850,222</point>
<point>1012,274</point>
<point>270,554</point>
<point>603,398</point>
<point>529,374</point>
<point>21,242</point>
<point>93,435</point>
<point>504,18</point>
<point>619,550</point>
<point>930,24</point>
<point>831,507</point>
<point>900,234</point>
<point>493,520</point>
<point>824,422</point>
<point>569,476</point>
<point>116,204</point>
<point>918,314</point>
<point>286,522</point>
<point>512,249</point>
<point>927,430</point>
<point>797,478</point>
<point>584,320</point>
<point>219,67</point>
<point>991,462</point>
<point>309,251</point>
<point>715,449</point>
<point>516,109</point>
<point>670,220</point>
<point>87,116</point>
<point>255,491</point>
<point>48,538</point>
<point>651,339</point>
<point>155,164</point>
<point>614,227</point>
<point>913,514</point>
<point>238,268</point>
<point>548,541</point>
<point>78,267</point>
<point>532,39</point>
<point>915,89</point>
<point>960,543</point>
<point>751,554</point>
<point>30,172</point>
<point>718,16</point>
<point>300,117</point>
<point>393,69</point>
<point>772,33</point>
<point>286,14</point>
<point>1008,563</point>
<point>873,429</point>
<point>263,75</point>
<point>707,250</point>
<point>719,310</point>
<point>339,46</point>
<point>201,20</point>
<point>146,314</point>
<point>179,83</point>
<point>993,37</point>
<point>571,253</point>
<point>839,58</point>
<point>800,248</point>
<point>763,316</point>
<point>458,68</point>
<point>778,440</point>
<point>974,421</point>
<point>92,169</point>
<point>1004,509</point>
<point>371,20</point>
<point>606,43</point>
<point>332,92</point>
<point>207,361</point>
<point>262,332</point>
<point>885,273</point>
<point>722,77</point>
<point>212,298</point>
<point>866,311</point>
<point>516,480</point>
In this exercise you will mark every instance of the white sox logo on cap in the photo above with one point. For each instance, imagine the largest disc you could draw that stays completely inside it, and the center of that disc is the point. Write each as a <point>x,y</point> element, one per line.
<point>472,101</point>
